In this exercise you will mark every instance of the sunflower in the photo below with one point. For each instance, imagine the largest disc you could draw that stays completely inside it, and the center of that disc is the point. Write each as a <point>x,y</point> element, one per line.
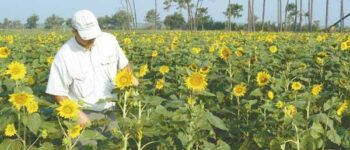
<point>154,53</point>
<point>74,132</point>
<point>143,70</point>
<point>344,46</point>
<point>49,60</point>
<point>204,70</point>
<point>126,41</point>
<point>68,109</point>
<point>290,111</point>
<point>224,53</point>
<point>4,52</point>
<point>273,49</point>
<point>239,90</point>
<point>160,84</point>
<point>239,52</point>
<point>211,49</point>
<point>32,106</point>
<point>270,95</point>
<point>20,99</point>
<point>316,89</point>
<point>44,133</point>
<point>16,70</point>
<point>191,101</point>
<point>193,67</point>
<point>164,69</point>
<point>196,50</point>
<point>124,79</point>
<point>10,130</point>
<point>342,108</point>
<point>30,80</point>
<point>196,81</point>
<point>263,78</point>
<point>279,104</point>
<point>296,86</point>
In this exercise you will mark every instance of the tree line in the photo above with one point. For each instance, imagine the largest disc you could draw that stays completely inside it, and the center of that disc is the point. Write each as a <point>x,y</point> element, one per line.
<point>295,17</point>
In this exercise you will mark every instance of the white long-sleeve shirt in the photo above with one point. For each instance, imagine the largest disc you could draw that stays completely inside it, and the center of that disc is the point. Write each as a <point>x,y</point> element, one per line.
<point>86,75</point>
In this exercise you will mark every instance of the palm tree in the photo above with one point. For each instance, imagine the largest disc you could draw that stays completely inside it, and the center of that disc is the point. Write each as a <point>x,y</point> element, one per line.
<point>249,15</point>
<point>279,14</point>
<point>296,15</point>
<point>310,14</point>
<point>135,20</point>
<point>263,16</point>
<point>285,16</point>
<point>253,15</point>
<point>229,17</point>
<point>342,15</point>
<point>155,14</point>
<point>301,14</point>
<point>327,8</point>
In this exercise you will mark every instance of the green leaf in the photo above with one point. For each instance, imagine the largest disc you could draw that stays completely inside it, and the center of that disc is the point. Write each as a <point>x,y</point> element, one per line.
<point>316,130</point>
<point>221,145</point>
<point>183,138</point>
<point>175,104</point>
<point>257,92</point>
<point>275,144</point>
<point>23,89</point>
<point>208,146</point>
<point>8,144</point>
<point>216,121</point>
<point>333,136</point>
<point>45,146</point>
<point>245,145</point>
<point>33,122</point>
<point>307,142</point>
<point>153,100</point>
<point>207,93</point>
<point>92,135</point>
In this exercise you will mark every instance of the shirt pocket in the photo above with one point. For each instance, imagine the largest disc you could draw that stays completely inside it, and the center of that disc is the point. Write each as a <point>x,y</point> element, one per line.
<point>109,66</point>
<point>83,86</point>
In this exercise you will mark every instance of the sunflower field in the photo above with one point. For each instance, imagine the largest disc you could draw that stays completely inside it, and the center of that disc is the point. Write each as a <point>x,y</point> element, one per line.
<point>197,90</point>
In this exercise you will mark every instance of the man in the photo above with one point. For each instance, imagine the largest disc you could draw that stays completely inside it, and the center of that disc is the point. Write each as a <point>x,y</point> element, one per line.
<point>85,66</point>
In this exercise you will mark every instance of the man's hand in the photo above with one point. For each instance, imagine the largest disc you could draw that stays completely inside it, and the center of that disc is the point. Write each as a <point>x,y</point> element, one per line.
<point>83,119</point>
<point>135,81</point>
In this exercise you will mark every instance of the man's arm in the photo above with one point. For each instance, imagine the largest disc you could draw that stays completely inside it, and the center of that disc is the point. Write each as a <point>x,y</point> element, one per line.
<point>59,99</point>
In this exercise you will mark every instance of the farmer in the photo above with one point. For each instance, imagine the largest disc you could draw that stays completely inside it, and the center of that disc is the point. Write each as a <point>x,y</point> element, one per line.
<point>85,66</point>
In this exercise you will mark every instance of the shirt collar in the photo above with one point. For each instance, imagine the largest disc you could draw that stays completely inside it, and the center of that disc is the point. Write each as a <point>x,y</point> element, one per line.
<point>77,45</point>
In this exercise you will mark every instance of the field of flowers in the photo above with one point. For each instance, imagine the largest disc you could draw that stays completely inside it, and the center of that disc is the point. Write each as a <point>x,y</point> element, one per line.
<point>198,90</point>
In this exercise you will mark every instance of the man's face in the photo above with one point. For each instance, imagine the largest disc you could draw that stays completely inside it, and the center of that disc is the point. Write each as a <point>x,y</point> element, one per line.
<point>85,43</point>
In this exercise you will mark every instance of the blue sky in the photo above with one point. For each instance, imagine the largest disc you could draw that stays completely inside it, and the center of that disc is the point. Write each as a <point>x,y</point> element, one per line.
<point>22,9</point>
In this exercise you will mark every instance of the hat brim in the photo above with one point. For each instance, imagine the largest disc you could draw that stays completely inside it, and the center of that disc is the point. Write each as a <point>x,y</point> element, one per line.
<point>90,33</point>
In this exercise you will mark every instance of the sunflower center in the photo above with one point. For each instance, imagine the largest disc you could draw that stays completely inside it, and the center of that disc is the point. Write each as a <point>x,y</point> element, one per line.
<point>15,70</point>
<point>21,99</point>
<point>196,80</point>
<point>67,110</point>
<point>124,79</point>
<point>239,90</point>
<point>263,79</point>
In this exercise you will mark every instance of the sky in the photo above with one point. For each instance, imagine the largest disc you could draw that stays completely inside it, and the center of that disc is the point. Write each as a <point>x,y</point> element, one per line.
<point>22,9</point>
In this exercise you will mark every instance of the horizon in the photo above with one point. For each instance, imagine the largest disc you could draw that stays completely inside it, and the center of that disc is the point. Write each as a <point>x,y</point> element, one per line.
<point>109,7</point>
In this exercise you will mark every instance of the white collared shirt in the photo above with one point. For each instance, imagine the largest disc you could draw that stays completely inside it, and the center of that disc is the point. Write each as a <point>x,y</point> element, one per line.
<point>86,75</point>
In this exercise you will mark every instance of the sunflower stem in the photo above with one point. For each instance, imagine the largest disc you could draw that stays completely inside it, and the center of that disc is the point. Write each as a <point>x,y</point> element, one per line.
<point>297,135</point>
<point>125,140</point>
<point>308,110</point>
<point>125,104</point>
<point>238,108</point>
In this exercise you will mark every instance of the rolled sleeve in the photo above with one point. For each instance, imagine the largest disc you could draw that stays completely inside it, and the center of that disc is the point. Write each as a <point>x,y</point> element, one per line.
<point>59,79</point>
<point>121,58</point>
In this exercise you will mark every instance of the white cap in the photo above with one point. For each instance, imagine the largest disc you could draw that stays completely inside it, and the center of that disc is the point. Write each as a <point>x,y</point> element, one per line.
<point>85,22</point>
